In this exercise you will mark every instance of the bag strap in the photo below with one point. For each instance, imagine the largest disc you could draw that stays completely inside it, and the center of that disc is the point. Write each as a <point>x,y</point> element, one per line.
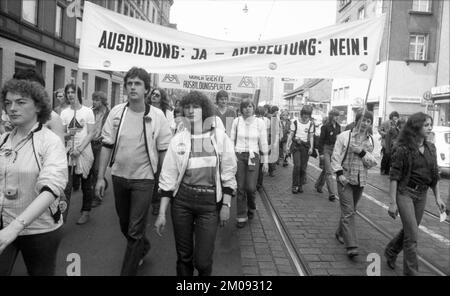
<point>348,146</point>
<point>236,132</point>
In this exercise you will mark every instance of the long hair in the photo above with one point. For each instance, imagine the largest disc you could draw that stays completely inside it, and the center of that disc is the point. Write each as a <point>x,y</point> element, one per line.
<point>411,130</point>
<point>76,89</point>
<point>164,103</point>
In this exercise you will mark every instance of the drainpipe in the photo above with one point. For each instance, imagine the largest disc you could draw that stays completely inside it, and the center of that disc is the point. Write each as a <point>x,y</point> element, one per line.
<point>386,79</point>
<point>438,47</point>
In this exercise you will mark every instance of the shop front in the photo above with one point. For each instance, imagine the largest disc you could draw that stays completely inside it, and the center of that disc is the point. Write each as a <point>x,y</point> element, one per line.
<point>440,96</point>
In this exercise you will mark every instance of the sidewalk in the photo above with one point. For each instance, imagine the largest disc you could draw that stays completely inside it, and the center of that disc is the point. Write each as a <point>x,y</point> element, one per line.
<point>312,220</point>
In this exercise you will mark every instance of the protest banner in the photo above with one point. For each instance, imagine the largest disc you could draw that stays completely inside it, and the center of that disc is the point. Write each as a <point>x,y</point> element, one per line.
<point>114,42</point>
<point>211,83</point>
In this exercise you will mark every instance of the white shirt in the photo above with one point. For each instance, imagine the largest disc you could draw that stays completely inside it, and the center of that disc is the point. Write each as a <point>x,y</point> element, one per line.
<point>303,130</point>
<point>84,116</point>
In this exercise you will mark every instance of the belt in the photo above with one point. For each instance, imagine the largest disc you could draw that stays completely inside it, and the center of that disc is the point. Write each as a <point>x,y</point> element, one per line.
<point>199,189</point>
<point>417,187</point>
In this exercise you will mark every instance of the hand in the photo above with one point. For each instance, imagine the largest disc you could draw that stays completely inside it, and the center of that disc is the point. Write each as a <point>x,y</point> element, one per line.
<point>100,188</point>
<point>160,223</point>
<point>224,215</point>
<point>75,153</point>
<point>356,149</point>
<point>393,210</point>
<point>9,234</point>
<point>441,205</point>
<point>343,180</point>
<point>265,168</point>
<point>310,151</point>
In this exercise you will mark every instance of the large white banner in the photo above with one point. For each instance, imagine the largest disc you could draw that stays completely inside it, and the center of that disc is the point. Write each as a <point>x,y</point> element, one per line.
<point>114,42</point>
<point>211,83</point>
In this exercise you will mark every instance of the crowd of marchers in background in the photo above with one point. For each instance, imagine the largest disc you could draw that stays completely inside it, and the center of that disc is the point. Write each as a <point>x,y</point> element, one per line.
<point>195,156</point>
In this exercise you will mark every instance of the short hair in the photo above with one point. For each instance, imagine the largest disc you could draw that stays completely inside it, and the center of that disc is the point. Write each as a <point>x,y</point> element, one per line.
<point>306,110</point>
<point>29,74</point>
<point>363,114</point>
<point>220,94</point>
<point>274,109</point>
<point>333,112</point>
<point>75,88</point>
<point>139,73</point>
<point>394,114</point>
<point>32,90</point>
<point>244,104</point>
<point>198,98</point>
<point>101,96</point>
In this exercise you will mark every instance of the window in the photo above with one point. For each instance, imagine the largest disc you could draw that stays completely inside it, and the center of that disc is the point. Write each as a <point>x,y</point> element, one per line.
<point>132,12</point>
<point>23,62</point>
<point>111,4</point>
<point>421,5</point>
<point>335,94</point>
<point>361,13</point>
<point>418,47</point>
<point>346,93</point>
<point>78,31</point>
<point>153,15</point>
<point>288,87</point>
<point>58,21</point>
<point>29,11</point>
<point>126,8</point>
<point>343,3</point>
<point>73,76</point>
<point>119,6</point>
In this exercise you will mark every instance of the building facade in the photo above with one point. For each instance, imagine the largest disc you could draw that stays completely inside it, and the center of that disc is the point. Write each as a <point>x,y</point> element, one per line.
<point>408,59</point>
<point>45,35</point>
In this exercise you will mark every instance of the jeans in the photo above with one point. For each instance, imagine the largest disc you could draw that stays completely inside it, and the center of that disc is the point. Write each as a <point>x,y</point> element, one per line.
<point>246,177</point>
<point>385,162</point>
<point>38,251</point>
<point>349,196</point>
<point>300,157</point>
<point>87,187</point>
<point>132,200</point>
<point>411,205</point>
<point>327,173</point>
<point>195,218</point>
<point>96,149</point>
<point>156,198</point>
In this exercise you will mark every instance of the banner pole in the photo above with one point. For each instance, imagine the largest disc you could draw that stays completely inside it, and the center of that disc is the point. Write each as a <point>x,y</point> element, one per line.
<point>365,102</point>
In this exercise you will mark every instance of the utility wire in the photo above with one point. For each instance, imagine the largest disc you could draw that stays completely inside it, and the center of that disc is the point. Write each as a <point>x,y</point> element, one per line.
<point>267,19</point>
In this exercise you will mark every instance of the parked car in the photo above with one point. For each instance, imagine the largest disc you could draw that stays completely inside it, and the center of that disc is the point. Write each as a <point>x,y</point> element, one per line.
<point>441,135</point>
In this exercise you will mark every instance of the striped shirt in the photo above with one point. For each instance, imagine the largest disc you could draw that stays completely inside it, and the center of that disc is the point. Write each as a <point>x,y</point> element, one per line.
<point>250,135</point>
<point>201,168</point>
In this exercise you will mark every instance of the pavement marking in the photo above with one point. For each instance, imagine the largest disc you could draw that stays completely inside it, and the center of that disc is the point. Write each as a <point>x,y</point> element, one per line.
<point>431,233</point>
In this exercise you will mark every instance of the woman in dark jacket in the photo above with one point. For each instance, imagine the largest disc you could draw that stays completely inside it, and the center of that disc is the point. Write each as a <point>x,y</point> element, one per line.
<point>413,170</point>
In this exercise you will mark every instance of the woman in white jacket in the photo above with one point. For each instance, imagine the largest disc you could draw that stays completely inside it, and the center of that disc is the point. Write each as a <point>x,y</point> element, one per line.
<point>33,168</point>
<point>198,178</point>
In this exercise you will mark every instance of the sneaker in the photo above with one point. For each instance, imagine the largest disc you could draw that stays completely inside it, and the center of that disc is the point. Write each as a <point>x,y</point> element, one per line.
<point>241,224</point>
<point>300,189</point>
<point>141,262</point>
<point>285,164</point>
<point>84,218</point>
<point>96,202</point>
<point>295,189</point>
<point>319,189</point>
<point>250,215</point>
<point>331,198</point>
<point>352,252</point>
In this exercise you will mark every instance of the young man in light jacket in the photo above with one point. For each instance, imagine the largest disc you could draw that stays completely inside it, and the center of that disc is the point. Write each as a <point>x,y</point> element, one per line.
<point>135,138</point>
<point>350,160</point>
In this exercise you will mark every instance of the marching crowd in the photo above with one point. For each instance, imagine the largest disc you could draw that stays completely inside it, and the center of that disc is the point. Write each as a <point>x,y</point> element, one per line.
<point>194,156</point>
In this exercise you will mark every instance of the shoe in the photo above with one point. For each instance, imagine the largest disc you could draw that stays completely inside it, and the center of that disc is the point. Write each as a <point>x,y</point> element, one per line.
<point>352,252</point>
<point>141,262</point>
<point>339,238</point>
<point>331,198</point>
<point>96,202</point>
<point>285,164</point>
<point>271,174</point>
<point>241,224</point>
<point>390,260</point>
<point>300,189</point>
<point>250,215</point>
<point>84,218</point>
<point>155,211</point>
<point>319,189</point>
<point>294,189</point>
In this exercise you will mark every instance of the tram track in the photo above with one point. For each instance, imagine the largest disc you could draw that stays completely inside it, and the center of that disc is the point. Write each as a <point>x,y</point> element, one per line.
<point>299,262</point>
<point>426,261</point>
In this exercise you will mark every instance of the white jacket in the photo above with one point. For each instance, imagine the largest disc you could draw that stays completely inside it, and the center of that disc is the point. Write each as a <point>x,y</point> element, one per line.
<point>177,158</point>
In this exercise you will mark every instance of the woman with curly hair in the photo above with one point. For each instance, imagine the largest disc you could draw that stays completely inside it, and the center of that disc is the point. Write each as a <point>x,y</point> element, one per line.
<point>198,178</point>
<point>413,170</point>
<point>33,175</point>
